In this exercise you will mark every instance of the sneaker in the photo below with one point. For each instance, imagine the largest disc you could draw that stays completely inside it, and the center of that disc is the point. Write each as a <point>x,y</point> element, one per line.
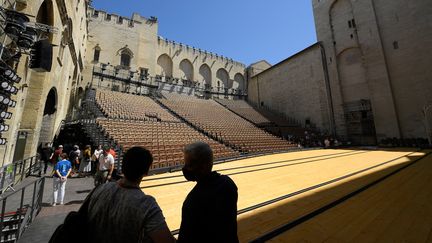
<point>61,203</point>
<point>54,204</point>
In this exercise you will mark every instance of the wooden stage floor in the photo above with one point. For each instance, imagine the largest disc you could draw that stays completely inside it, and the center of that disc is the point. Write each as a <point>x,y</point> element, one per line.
<point>275,190</point>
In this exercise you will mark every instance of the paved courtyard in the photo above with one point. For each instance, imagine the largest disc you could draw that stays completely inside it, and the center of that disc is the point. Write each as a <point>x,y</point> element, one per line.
<point>50,217</point>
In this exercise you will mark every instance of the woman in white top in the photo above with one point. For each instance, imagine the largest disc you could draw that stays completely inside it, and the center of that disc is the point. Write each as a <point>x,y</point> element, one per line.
<point>95,158</point>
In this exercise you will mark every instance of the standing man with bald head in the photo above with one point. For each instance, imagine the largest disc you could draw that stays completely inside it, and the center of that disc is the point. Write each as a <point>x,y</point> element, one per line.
<point>209,213</point>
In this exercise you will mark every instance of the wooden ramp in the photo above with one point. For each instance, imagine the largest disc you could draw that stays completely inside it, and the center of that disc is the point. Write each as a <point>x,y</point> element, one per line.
<point>276,189</point>
<point>398,209</point>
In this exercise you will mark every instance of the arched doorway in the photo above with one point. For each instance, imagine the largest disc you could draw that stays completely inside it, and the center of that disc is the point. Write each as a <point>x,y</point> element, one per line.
<point>186,69</point>
<point>45,15</point>
<point>80,96</point>
<point>49,115</point>
<point>222,78</point>
<point>205,76</point>
<point>239,82</point>
<point>165,65</point>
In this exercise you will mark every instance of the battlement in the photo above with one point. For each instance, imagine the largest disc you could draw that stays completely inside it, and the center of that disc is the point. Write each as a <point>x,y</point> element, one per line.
<point>136,19</point>
<point>197,51</point>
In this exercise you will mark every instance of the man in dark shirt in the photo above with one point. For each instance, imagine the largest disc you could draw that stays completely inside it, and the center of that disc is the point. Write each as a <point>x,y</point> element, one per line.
<point>209,213</point>
<point>46,153</point>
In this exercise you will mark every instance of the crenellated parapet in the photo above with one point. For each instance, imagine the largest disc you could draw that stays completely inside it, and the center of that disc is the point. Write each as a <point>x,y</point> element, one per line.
<point>119,20</point>
<point>194,51</point>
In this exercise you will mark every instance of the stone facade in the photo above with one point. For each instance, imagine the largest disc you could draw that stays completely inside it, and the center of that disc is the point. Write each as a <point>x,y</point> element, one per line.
<point>295,87</point>
<point>375,52</point>
<point>44,97</point>
<point>112,36</point>
<point>376,59</point>
<point>257,67</point>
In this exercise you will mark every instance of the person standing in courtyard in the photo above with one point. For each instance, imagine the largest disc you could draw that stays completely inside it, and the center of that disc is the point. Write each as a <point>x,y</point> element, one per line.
<point>56,157</point>
<point>75,158</point>
<point>209,213</point>
<point>85,165</point>
<point>62,171</point>
<point>95,158</point>
<point>105,167</point>
<point>46,153</point>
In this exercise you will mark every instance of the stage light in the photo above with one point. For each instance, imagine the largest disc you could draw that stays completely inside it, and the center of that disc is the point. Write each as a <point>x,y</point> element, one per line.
<point>7,101</point>
<point>27,38</point>
<point>4,128</point>
<point>12,90</point>
<point>12,103</point>
<point>4,100</point>
<point>3,141</point>
<point>4,84</point>
<point>8,74</point>
<point>9,88</point>
<point>11,75</point>
<point>5,115</point>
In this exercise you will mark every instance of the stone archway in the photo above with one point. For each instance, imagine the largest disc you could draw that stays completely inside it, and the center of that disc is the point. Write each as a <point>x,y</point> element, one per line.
<point>239,82</point>
<point>186,69</point>
<point>205,76</point>
<point>49,115</point>
<point>45,15</point>
<point>223,78</point>
<point>165,65</point>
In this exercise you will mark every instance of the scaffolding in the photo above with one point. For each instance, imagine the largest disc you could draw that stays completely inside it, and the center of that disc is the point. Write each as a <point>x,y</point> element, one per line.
<point>360,121</point>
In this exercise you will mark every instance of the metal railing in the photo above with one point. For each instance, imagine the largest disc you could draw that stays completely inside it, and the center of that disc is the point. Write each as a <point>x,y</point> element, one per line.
<point>14,173</point>
<point>127,77</point>
<point>19,209</point>
<point>98,136</point>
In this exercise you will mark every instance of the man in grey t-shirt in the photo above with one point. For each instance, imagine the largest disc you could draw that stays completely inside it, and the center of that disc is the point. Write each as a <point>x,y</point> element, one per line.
<point>121,212</point>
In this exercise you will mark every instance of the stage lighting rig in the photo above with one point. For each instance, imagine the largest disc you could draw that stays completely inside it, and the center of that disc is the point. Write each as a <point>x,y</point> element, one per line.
<point>5,100</point>
<point>15,23</point>
<point>8,88</point>
<point>9,74</point>
<point>27,38</point>
<point>5,115</point>
<point>4,128</point>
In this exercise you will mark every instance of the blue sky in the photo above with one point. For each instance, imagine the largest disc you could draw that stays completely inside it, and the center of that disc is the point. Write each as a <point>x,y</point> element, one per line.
<point>244,30</point>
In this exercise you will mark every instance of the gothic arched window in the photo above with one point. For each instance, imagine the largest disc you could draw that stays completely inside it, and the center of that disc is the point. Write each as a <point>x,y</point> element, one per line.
<point>125,59</point>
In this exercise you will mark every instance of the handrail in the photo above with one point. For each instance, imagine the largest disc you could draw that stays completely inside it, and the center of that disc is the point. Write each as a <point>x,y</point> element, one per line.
<point>14,173</point>
<point>24,212</point>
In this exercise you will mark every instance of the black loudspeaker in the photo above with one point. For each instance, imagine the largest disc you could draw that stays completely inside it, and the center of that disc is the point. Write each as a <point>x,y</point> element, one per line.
<point>41,56</point>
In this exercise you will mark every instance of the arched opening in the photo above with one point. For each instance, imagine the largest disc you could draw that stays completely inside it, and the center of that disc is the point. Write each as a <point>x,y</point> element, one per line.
<point>223,78</point>
<point>205,76</point>
<point>51,102</point>
<point>79,96</point>
<point>343,25</point>
<point>45,15</point>
<point>48,120</point>
<point>96,55</point>
<point>239,82</point>
<point>186,69</point>
<point>125,59</point>
<point>165,65</point>
<point>355,92</point>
